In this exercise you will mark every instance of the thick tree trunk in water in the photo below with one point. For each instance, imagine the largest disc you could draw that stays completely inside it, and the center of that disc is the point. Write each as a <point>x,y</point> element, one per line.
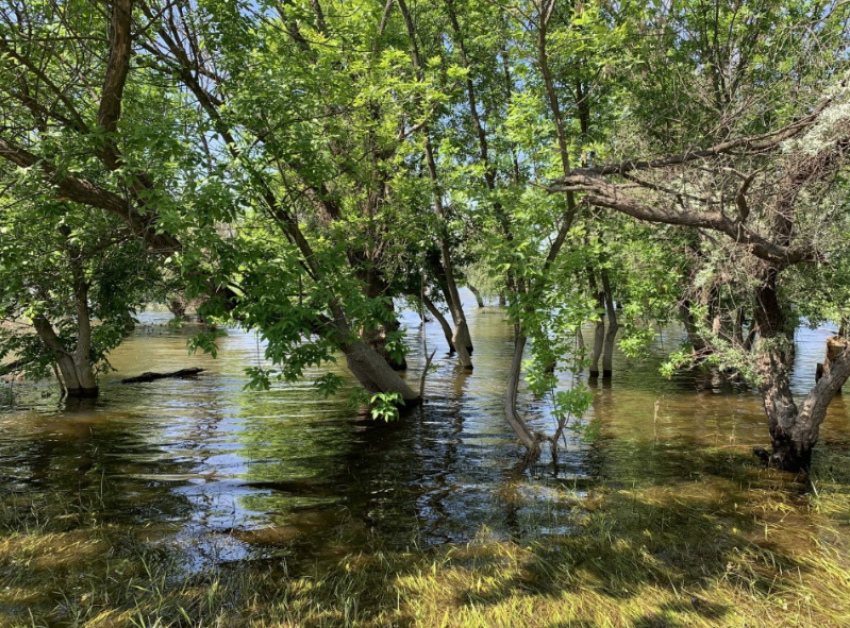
<point>523,432</point>
<point>611,334</point>
<point>598,341</point>
<point>75,366</point>
<point>793,430</point>
<point>374,374</point>
<point>503,301</point>
<point>477,294</point>
<point>376,337</point>
<point>78,375</point>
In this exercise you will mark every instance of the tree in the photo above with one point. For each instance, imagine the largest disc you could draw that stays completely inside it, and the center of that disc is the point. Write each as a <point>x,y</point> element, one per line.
<point>758,193</point>
<point>61,272</point>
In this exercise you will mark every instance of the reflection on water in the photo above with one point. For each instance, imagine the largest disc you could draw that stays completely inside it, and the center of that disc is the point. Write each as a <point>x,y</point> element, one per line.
<point>234,474</point>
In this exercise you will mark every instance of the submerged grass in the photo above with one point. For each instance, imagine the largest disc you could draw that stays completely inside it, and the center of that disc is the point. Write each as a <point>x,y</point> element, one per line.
<point>712,551</point>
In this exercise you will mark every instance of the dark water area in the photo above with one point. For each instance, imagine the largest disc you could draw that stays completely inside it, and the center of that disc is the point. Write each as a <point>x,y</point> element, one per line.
<point>233,475</point>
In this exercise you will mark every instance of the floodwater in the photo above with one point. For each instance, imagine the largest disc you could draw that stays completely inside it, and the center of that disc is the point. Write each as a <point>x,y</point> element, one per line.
<point>233,475</point>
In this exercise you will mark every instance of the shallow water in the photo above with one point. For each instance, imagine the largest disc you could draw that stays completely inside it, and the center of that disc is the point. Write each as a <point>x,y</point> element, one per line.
<point>233,475</point>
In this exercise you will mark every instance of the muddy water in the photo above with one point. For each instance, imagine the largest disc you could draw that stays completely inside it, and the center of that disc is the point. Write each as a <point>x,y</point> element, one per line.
<point>232,475</point>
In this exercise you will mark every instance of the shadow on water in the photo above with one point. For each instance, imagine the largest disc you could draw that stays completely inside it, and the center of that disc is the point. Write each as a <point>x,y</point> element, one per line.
<point>664,513</point>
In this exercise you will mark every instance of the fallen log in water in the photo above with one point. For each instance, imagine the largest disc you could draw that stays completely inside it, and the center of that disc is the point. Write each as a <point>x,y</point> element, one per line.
<point>150,376</point>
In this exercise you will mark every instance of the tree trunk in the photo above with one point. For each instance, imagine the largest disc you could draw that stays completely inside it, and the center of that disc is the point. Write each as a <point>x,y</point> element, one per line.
<point>374,374</point>
<point>503,301</point>
<point>462,342</point>
<point>477,294</point>
<point>793,430</point>
<point>438,316</point>
<point>82,352</point>
<point>611,334</point>
<point>461,339</point>
<point>376,337</point>
<point>523,432</point>
<point>599,330</point>
<point>78,382</point>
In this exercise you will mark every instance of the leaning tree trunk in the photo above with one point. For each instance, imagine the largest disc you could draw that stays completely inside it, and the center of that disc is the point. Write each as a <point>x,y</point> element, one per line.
<point>611,333</point>
<point>374,374</point>
<point>479,299</point>
<point>438,316</point>
<point>523,432</point>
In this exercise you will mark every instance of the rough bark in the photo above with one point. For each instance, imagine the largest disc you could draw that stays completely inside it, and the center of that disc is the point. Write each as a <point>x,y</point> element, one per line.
<point>835,345</point>
<point>374,374</point>
<point>793,430</point>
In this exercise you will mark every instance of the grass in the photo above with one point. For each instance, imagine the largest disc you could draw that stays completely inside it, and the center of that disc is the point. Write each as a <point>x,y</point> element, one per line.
<point>714,551</point>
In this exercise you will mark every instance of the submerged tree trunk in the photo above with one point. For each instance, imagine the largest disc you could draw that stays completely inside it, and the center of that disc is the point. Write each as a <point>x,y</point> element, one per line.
<point>478,298</point>
<point>611,333</point>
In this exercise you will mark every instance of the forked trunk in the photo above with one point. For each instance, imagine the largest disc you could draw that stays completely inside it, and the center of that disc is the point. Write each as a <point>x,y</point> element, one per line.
<point>75,368</point>
<point>793,430</point>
